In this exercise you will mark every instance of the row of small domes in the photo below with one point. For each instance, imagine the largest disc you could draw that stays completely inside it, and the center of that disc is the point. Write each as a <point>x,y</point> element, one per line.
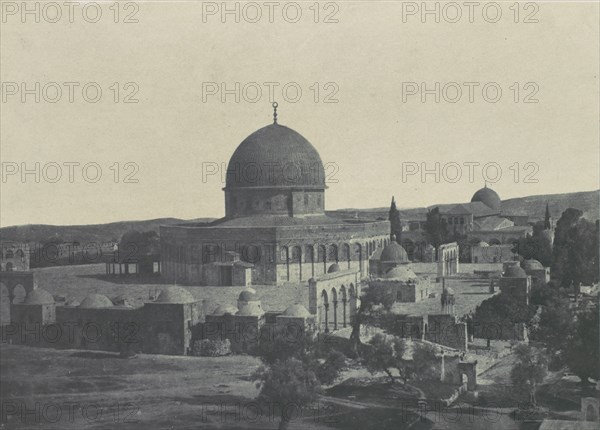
<point>169,295</point>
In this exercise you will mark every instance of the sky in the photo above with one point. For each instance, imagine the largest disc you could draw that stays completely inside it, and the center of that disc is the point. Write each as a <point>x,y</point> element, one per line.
<point>517,102</point>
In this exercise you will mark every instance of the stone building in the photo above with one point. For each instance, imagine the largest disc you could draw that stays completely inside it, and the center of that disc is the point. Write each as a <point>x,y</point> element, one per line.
<point>482,219</point>
<point>516,282</point>
<point>539,274</point>
<point>334,299</point>
<point>402,284</point>
<point>274,219</point>
<point>448,256</point>
<point>37,308</point>
<point>14,287</point>
<point>241,325</point>
<point>14,257</point>
<point>168,322</point>
<point>391,256</point>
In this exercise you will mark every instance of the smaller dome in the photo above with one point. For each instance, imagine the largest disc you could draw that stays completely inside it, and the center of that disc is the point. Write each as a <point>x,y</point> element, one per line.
<point>96,301</point>
<point>515,272</point>
<point>333,268</point>
<point>248,295</point>
<point>224,309</point>
<point>400,273</point>
<point>175,295</point>
<point>297,311</point>
<point>39,297</point>
<point>482,244</point>
<point>532,265</point>
<point>393,253</point>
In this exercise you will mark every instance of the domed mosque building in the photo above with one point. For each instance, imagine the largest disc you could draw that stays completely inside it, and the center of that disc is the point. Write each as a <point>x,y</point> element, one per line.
<point>275,229</point>
<point>483,220</point>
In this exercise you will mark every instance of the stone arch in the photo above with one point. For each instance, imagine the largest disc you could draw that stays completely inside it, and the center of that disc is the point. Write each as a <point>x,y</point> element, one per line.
<point>344,297</point>
<point>285,257</point>
<point>19,293</point>
<point>333,254</point>
<point>352,299</point>
<point>4,304</point>
<point>309,257</point>
<point>359,256</point>
<point>334,301</point>
<point>322,251</point>
<point>590,407</point>
<point>495,241</point>
<point>346,254</point>
<point>297,259</point>
<point>468,371</point>
<point>591,414</point>
<point>324,312</point>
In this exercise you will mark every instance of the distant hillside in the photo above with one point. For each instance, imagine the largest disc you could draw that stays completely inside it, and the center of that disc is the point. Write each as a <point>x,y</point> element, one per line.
<point>534,206</point>
<point>99,233</point>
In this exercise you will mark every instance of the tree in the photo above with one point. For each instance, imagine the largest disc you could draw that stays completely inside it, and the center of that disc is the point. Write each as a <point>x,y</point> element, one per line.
<point>373,309</point>
<point>536,246</point>
<point>554,329</point>
<point>395,224</point>
<point>582,351</point>
<point>288,382</point>
<point>379,355</point>
<point>547,224</point>
<point>135,244</point>
<point>424,360</point>
<point>528,371</point>
<point>436,229</point>
<point>575,249</point>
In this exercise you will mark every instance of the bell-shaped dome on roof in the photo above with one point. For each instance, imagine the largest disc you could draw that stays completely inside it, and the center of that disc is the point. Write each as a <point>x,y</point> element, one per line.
<point>532,265</point>
<point>400,273</point>
<point>96,301</point>
<point>296,310</point>
<point>515,272</point>
<point>393,253</point>
<point>224,310</point>
<point>39,297</point>
<point>175,295</point>
<point>248,295</point>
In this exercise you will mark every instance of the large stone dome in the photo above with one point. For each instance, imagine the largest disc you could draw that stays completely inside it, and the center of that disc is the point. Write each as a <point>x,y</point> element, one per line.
<point>275,156</point>
<point>488,197</point>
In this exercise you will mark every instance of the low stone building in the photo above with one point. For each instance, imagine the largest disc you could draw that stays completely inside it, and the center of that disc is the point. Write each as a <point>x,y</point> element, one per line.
<point>169,321</point>
<point>516,282</point>
<point>401,284</point>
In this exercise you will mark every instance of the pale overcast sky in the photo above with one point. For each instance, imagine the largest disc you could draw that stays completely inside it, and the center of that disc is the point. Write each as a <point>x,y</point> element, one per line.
<point>361,61</point>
